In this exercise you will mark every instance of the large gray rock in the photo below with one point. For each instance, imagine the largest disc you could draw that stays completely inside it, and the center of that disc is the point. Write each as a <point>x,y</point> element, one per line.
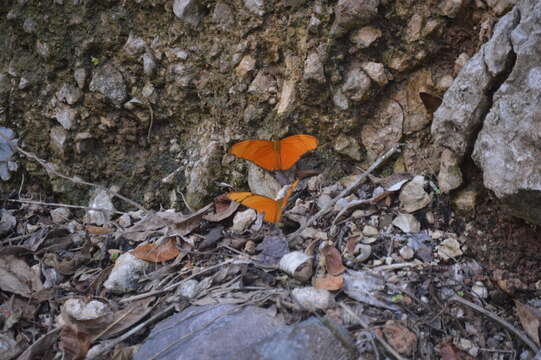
<point>508,148</point>
<point>189,11</point>
<point>242,333</point>
<point>467,101</point>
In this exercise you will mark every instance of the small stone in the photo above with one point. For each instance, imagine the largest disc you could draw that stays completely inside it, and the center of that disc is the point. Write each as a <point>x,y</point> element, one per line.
<point>449,248</point>
<point>222,15</point>
<point>24,83</point>
<point>243,219</point>
<point>365,36</point>
<point>99,199</point>
<point>357,84</point>
<point>58,138</point>
<point>480,290</point>
<point>108,81</point>
<point>413,30</point>
<point>29,26</point>
<point>450,175</point>
<point>134,46</point>
<point>444,83</point>
<point>323,200</point>
<point>364,251</point>
<point>348,146</point>
<point>69,94</point>
<point>351,13</point>
<point>287,98</point>
<point>66,116</point>
<point>255,6</point>
<point>400,61</point>
<point>407,223</point>
<point>451,8</point>
<point>312,299</point>
<point>149,64</point>
<point>189,289</point>
<point>370,231</point>
<point>42,48</point>
<point>124,220</point>
<point>413,196</point>
<point>377,72</point>
<point>262,84</point>
<point>313,68</point>
<point>60,215</point>
<point>80,75</point>
<point>125,274</point>
<point>406,253</point>
<point>246,66</point>
<point>464,201</point>
<point>340,100</point>
<point>313,24</point>
<point>189,11</point>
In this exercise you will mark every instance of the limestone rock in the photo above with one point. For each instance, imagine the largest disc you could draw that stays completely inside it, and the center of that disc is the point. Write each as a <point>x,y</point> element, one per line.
<point>125,273</point>
<point>287,98</point>
<point>365,36</point>
<point>507,148</point>
<point>407,223</point>
<point>383,130</point>
<point>357,84</point>
<point>350,13</point>
<point>108,81</point>
<point>243,219</point>
<point>222,15</point>
<point>377,72</point>
<point>255,6</point>
<point>413,196</point>
<point>348,146</point>
<point>189,11</point>
<point>313,68</point>
<point>465,200</point>
<point>312,299</point>
<point>69,94</point>
<point>66,116</point>
<point>450,175</point>
<point>58,138</point>
<point>204,161</point>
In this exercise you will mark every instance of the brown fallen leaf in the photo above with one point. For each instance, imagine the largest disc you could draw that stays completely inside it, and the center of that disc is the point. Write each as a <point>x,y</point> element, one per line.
<point>98,230</point>
<point>329,282</point>
<point>400,337</point>
<point>223,208</point>
<point>128,317</point>
<point>431,102</point>
<point>41,348</point>
<point>74,343</point>
<point>333,260</point>
<point>448,351</point>
<point>17,277</point>
<point>157,253</point>
<point>530,319</point>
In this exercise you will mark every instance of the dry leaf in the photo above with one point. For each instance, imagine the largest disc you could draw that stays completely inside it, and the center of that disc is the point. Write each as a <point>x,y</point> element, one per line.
<point>129,316</point>
<point>400,337</point>
<point>157,253</point>
<point>431,102</point>
<point>329,282</point>
<point>41,348</point>
<point>17,277</point>
<point>165,223</point>
<point>74,343</point>
<point>448,351</point>
<point>98,230</point>
<point>333,260</point>
<point>530,318</point>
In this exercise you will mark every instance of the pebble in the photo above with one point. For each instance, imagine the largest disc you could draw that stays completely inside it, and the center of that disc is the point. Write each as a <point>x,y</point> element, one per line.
<point>406,253</point>
<point>125,274</point>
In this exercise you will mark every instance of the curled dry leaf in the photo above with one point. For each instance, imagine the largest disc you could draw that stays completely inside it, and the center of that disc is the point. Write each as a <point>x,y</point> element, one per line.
<point>157,253</point>
<point>448,351</point>
<point>98,230</point>
<point>17,277</point>
<point>400,337</point>
<point>530,319</point>
<point>74,343</point>
<point>129,316</point>
<point>329,282</point>
<point>223,208</point>
<point>333,260</point>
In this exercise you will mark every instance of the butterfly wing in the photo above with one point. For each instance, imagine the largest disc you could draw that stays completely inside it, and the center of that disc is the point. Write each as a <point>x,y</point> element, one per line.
<point>261,152</point>
<point>293,147</point>
<point>283,202</point>
<point>259,203</point>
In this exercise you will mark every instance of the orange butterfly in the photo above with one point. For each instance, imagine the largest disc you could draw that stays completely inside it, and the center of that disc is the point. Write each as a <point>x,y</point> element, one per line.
<point>271,208</point>
<point>275,155</point>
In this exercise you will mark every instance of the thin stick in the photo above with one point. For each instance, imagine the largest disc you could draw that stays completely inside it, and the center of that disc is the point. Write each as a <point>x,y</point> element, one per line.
<point>174,285</point>
<point>51,170</point>
<point>381,340</point>
<point>345,192</point>
<point>498,319</point>
<point>119,339</point>
<point>65,205</point>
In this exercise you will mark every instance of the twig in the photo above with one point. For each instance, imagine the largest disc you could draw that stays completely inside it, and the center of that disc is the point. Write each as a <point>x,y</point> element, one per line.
<point>151,120</point>
<point>51,170</point>
<point>345,192</point>
<point>381,340</point>
<point>394,266</point>
<point>174,285</point>
<point>65,205</point>
<point>134,330</point>
<point>498,319</point>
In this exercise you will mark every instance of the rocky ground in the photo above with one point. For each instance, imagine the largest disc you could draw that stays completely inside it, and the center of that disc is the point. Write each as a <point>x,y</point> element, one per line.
<point>389,270</point>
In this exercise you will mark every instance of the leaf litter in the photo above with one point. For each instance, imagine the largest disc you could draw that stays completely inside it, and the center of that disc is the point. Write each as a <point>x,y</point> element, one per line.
<point>52,273</point>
